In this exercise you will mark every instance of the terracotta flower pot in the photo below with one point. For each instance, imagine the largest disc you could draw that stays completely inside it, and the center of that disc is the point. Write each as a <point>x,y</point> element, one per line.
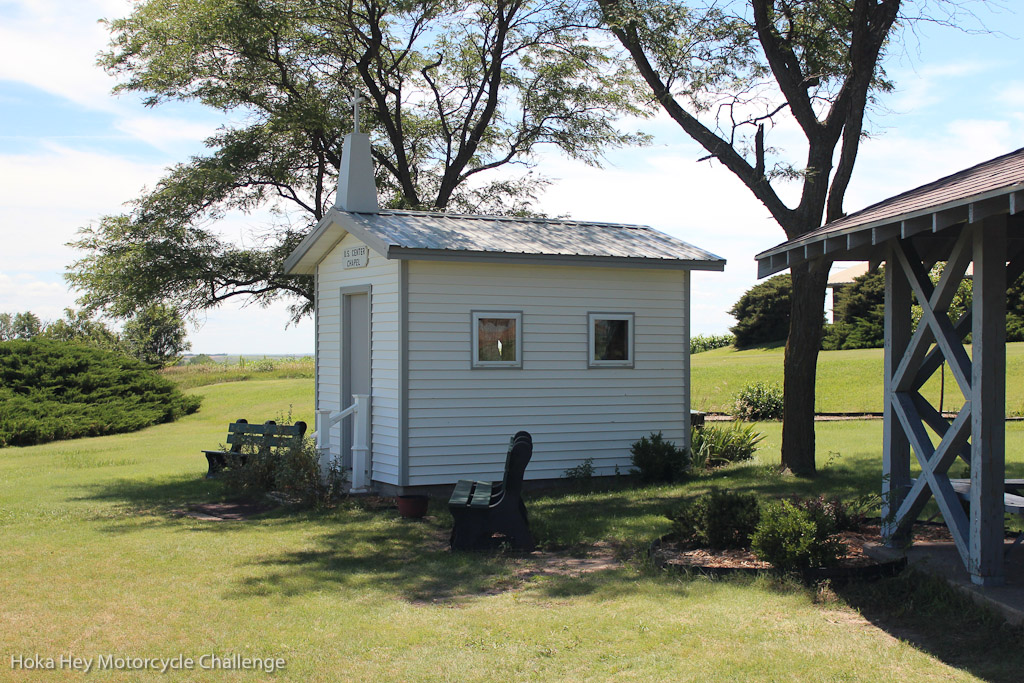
<point>412,506</point>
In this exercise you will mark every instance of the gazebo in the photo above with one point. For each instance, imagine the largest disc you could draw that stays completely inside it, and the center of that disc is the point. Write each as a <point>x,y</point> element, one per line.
<point>976,215</point>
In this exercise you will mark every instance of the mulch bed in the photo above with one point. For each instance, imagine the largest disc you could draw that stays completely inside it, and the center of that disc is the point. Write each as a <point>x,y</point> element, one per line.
<point>856,563</point>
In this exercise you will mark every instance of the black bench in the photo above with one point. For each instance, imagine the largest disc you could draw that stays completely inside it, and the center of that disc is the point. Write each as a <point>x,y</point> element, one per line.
<point>488,514</point>
<point>265,438</point>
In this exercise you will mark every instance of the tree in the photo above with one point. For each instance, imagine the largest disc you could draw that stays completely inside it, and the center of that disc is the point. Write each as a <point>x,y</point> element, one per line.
<point>456,91</point>
<point>80,327</point>
<point>762,313</point>
<point>859,314</point>
<point>156,336</point>
<point>724,71</point>
<point>19,326</point>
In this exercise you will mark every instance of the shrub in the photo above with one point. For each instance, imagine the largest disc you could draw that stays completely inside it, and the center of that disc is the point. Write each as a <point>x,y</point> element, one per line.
<point>52,390</point>
<point>712,446</point>
<point>702,343</point>
<point>658,460</point>
<point>840,515</point>
<point>294,473</point>
<point>762,313</point>
<point>718,519</point>
<point>582,472</point>
<point>760,401</point>
<point>791,538</point>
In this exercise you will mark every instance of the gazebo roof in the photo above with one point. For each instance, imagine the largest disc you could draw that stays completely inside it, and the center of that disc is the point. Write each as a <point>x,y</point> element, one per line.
<point>992,187</point>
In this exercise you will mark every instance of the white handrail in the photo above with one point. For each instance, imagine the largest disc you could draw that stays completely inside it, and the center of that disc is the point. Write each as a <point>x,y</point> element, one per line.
<point>325,419</point>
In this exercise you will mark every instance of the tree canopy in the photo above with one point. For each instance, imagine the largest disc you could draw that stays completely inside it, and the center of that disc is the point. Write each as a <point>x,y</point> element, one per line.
<point>733,73</point>
<point>456,91</point>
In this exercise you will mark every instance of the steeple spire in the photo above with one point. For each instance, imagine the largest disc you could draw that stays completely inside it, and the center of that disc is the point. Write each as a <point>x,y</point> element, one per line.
<point>357,191</point>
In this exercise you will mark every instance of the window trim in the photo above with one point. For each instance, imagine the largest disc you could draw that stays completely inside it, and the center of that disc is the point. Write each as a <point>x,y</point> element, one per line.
<point>474,333</point>
<point>592,318</point>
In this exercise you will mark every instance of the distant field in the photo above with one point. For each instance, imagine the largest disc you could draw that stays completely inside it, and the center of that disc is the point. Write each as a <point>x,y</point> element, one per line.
<point>848,381</point>
<point>238,369</point>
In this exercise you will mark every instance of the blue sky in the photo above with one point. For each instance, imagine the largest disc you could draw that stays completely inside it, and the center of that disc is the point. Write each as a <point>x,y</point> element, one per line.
<point>70,153</point>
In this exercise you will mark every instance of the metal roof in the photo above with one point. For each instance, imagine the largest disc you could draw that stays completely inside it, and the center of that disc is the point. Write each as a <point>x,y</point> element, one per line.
<point>439,236</point>
<point>992,187</point>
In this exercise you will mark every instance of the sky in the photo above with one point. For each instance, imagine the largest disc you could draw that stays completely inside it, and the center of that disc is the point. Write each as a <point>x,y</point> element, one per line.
<point>70,152</point>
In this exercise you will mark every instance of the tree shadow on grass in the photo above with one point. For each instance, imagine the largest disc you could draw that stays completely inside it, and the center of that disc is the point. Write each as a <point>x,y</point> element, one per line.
<point>375,551</point>
<point>931,615</point>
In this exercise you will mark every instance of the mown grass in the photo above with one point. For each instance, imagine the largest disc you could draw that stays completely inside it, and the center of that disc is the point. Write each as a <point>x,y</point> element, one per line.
<point>848,381</point>
<point>95,561</point>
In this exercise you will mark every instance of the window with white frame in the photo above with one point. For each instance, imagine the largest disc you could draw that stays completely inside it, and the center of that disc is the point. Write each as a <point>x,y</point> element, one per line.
<point>611,340</point>
<point>497,339</point>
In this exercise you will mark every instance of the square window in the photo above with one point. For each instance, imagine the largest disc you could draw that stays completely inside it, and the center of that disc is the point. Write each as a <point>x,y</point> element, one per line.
<point>497,339</point>
<point>611,340</point>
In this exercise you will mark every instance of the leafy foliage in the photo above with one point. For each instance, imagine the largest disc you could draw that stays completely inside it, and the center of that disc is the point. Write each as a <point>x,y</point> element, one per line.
<point>454,91</point>
<point>713,446</point>
<point>731,74</point>
<point>719,519</point>
<point>762,313</point>
<point>702,342</point>
<point>80,327</point>
<point>51,390</point>
<point>792,538</point>
<point>759,401</point>
<point>19,326</point>
<point>659,460</point>
<point>293,473</point>
<point>156,336</point>
<point>582,472</point>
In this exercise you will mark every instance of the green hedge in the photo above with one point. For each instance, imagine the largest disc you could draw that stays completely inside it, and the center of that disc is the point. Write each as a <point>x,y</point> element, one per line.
<point>51,390</point>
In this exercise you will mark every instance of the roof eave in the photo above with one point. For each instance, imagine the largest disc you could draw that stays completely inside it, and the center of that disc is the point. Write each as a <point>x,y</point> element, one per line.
<point>852,242</point>
<point>407,253</point>
<point>331,229</point>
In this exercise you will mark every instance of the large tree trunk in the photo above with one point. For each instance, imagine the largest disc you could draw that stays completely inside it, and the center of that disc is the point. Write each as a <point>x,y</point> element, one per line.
<point>805,329</point>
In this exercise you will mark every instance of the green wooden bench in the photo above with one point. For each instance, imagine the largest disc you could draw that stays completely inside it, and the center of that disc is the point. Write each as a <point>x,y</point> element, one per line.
<point>490,513</point>
<point>254,438</point>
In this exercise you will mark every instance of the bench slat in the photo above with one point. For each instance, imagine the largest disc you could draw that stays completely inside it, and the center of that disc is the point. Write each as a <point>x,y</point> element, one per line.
<point>460,496</point>
<point>481,495</point>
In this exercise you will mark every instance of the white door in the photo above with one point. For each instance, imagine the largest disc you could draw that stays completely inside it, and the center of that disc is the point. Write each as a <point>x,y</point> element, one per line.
<point>355,355</point>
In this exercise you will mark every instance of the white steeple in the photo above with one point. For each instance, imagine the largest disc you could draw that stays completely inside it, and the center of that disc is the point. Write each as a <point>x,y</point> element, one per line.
<point>357,191</point>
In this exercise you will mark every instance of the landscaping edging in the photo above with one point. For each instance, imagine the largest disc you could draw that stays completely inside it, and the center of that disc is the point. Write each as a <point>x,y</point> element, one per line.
<point>836,575</point>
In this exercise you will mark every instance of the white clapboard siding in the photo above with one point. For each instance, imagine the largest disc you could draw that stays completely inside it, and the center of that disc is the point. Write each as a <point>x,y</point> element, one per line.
<point>460,418</point>
<point>383,277</point>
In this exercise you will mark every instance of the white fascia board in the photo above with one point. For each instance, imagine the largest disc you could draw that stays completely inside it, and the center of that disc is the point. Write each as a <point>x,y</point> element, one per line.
<point>331,230</point>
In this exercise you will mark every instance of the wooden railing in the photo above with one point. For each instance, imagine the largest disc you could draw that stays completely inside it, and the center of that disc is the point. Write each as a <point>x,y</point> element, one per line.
<point>326,419</point>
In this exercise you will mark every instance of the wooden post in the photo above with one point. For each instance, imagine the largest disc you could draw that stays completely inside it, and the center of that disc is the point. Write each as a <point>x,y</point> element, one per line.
<point>895,445</point>
<point>988,389</point>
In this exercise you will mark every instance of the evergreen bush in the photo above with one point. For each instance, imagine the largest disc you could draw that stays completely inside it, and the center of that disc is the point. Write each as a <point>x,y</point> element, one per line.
<point>658,460</point>
<point>719,519</point>
<point>792,538</point>
<point>762,313</point>
<point>52,390</point>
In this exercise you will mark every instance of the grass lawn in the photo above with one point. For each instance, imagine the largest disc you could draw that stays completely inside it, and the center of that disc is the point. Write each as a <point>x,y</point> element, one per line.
<point>848,381</point>
<point>94,563</point>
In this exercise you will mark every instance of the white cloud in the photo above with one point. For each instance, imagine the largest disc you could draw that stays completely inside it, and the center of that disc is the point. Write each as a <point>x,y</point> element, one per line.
<point>21,291</point>
<point>169,134</point>
<point>52,45</point>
